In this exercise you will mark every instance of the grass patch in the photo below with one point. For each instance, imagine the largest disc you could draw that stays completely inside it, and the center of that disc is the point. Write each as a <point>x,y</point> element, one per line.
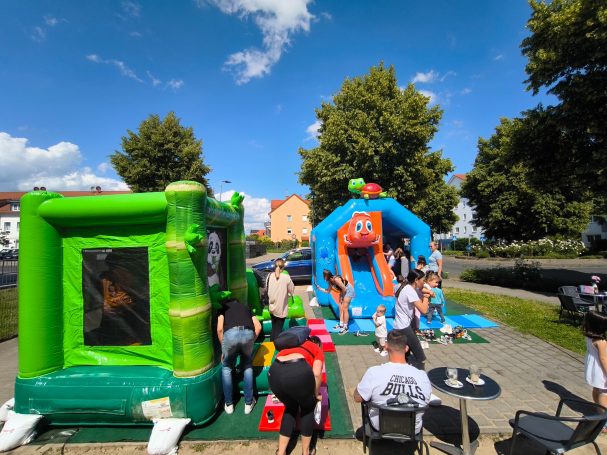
<point>527,316</point>
<point>8,312</point>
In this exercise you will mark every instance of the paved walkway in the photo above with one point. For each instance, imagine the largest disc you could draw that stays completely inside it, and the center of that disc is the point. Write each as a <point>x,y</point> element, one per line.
<point>533,375</point>
<point>520,293</point>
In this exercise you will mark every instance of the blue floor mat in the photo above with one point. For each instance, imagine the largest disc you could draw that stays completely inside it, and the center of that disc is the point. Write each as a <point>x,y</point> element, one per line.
<point>352,325</point>
<point>468,321</point>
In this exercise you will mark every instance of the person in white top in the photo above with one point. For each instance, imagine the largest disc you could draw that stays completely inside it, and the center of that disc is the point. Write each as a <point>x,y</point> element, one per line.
<point>595,330</point>
<point>381,332</point>
<point>382,382</point>
<point>280,286</point>
<point>409,296</point>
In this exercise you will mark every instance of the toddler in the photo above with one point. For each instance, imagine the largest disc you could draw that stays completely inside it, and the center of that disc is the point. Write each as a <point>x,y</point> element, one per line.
<point>595,331</point>
<point>437,298</point>
<point>379,319</point>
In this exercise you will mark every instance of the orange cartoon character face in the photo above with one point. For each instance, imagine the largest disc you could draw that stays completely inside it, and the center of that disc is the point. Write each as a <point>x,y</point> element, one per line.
<point>360,231</point>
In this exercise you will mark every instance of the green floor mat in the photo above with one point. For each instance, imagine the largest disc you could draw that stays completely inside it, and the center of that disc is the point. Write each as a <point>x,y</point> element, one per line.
<point>350,339</point>
<point>236,426</point>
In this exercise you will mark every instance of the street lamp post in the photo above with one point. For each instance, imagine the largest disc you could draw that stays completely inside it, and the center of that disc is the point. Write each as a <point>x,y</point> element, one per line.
<point>221,187</point>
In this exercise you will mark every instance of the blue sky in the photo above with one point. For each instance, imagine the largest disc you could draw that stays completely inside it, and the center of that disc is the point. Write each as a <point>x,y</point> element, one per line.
<point>245,74</point>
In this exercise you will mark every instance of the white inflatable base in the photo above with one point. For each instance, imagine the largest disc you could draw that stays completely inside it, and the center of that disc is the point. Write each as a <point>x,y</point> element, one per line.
<point>8,406</point>
<point>164,439</point>
<point>18,430</point>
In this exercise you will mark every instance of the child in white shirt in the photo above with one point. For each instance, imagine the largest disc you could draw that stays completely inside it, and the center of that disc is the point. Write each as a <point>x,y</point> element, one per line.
<point>381,332</point>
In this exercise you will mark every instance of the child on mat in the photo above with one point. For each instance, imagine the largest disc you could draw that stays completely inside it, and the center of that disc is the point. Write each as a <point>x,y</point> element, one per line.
<point>595,331</point>
<point>437,298</point>
<point>379,319</point>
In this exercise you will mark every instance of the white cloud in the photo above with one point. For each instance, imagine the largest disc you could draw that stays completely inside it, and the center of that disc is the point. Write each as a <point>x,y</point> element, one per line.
<point>57,168</point>
<point>433,96</point>
<point>122,67</point>
<point>498,57</point>
<point>277,20</point>
<point>431,77</point>
<point>51,21</point>
<point>136,35</point>
<point>131,8</point>
<point>425,78</point>
<point>38,34</point>
<point>175,84</point>
<point>466,91</point>
<point>313,129</point>
<point>255,209</point>
<point>103,167</point>
<point>154,81</point>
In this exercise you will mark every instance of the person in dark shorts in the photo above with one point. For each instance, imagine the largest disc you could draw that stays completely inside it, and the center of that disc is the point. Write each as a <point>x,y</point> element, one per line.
<point>294,379</point>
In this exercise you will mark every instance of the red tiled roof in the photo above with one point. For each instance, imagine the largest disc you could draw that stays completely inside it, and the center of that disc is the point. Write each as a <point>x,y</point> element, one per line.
<point>278,202</point>
<point>460,176</point>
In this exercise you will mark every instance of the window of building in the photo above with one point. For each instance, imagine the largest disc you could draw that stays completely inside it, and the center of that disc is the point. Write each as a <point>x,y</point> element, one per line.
<point>17,226</point>
<point>7,226</point>
<point>289,231</point>
<point>457,230</point>
<point>289,217</point>
<point>304,218</point>
<point>15,207</point>
<point>304,231</point>
<point>464,217</point>
<point>465,229</point>
<point>473,228</point>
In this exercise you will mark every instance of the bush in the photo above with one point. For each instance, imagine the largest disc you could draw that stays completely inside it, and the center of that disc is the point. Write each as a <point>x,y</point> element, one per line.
<point>453,253</point>
<point>554,248</point>
<point>525,274</point>
<point>482,254</point>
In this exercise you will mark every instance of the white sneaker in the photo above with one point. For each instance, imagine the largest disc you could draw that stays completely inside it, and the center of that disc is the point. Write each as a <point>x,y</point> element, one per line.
<point>343,330</point>
<point>249,407</point>
<point>383,353</point>
<point>229,408</point>
<point>434,400</point>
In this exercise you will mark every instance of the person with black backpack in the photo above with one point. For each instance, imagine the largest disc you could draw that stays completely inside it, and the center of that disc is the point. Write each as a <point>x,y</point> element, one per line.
<point>294,379</point>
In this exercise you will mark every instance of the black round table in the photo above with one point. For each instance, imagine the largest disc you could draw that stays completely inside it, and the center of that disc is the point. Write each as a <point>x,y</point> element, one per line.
<point>489,391</point>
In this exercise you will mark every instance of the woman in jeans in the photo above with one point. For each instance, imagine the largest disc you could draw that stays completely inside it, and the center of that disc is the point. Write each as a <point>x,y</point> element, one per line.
<point>237,330</point>
<point>294,378</point>
<point>409,296</point>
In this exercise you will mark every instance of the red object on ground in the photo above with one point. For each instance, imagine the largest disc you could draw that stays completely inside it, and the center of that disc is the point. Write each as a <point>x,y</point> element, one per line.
<point>318,328</point>
<point>278,409</point>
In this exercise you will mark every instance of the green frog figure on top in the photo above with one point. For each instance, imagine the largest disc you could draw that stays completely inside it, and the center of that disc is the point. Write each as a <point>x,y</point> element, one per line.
<point>366,190</point>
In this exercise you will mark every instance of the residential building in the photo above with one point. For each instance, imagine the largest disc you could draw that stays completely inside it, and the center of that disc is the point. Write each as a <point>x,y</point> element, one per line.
<point>595,234</point>
<point>463,227</point>
<point>289,219</point>
<point>10,207</point>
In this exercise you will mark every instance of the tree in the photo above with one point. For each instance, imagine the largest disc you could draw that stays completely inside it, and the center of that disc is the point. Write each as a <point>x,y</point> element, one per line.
<point>514,201</point>
<point>379,132</point>
<point>160,153</point>
<point>567,52</point>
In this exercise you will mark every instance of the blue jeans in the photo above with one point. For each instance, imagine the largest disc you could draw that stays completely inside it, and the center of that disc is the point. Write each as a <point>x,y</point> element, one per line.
<point>237,340</point>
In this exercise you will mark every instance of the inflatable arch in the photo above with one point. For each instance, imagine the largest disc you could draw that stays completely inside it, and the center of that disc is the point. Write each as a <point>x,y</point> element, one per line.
<point>114,303</point>
<point>337,245</point>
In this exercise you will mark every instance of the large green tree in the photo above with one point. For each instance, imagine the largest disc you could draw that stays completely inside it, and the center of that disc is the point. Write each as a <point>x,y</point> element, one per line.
<point>514,201</point>
<point>161,152</point>
<point>567,56</point>
<point>380,132</point>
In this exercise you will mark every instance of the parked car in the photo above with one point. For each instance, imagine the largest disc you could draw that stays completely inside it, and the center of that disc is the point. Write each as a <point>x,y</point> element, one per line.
<point>298,263</point>
<point>9,254</point>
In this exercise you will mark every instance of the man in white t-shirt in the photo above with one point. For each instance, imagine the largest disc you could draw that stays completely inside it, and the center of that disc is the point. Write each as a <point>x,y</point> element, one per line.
<point>386,381</point>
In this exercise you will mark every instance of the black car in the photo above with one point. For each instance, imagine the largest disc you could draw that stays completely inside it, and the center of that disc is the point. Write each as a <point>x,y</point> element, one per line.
<point>298,263</point>
<point>9,255</point>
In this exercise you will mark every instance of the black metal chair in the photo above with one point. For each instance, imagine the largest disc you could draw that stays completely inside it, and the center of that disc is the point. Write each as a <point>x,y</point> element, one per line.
<point>556,433</point>
<point>573,291</point>
<point>574,306</point>
<point>396,423</point>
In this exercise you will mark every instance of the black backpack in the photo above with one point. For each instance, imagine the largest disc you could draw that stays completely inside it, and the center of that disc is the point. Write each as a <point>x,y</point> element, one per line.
<point>292,338</point>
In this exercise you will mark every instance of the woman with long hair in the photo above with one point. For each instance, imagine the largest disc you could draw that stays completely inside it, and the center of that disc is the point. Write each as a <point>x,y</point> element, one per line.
<point>346,294</point>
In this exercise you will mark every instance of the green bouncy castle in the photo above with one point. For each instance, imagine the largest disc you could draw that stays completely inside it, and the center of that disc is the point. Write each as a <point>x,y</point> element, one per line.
<point>115,307</point>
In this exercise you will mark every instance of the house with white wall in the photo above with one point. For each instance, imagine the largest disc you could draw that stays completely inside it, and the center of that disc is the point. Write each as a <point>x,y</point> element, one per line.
<point>463,227</point>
